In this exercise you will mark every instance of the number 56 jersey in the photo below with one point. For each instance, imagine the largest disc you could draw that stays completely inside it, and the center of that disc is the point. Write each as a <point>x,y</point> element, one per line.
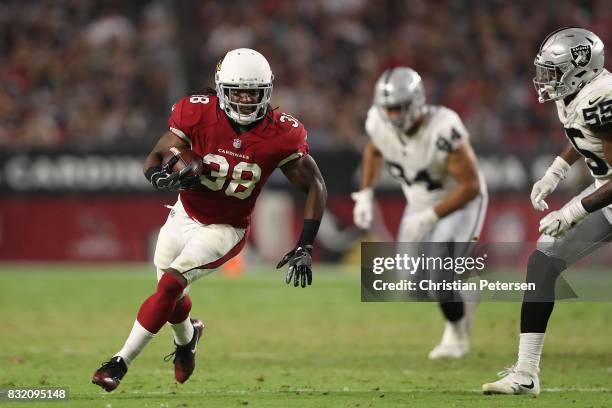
<point>236,166</point>
<point>589,113</point>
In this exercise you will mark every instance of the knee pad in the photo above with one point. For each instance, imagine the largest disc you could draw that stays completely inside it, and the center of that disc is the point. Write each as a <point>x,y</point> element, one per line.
<point>543,271</point>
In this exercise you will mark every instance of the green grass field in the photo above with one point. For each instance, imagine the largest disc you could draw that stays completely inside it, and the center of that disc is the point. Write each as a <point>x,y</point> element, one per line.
<point>269,345</point>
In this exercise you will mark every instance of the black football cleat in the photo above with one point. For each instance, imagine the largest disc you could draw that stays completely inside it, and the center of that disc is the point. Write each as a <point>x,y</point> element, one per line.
<point>109,375</point>
<point>184,356</point>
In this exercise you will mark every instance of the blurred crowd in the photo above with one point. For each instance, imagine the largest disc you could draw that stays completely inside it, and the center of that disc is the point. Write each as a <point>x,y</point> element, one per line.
<point>104,73</point>
<point>85,73</point>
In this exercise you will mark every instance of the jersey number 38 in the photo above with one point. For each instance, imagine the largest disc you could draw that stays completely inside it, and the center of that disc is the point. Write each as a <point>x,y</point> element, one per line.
<point>243,178</point>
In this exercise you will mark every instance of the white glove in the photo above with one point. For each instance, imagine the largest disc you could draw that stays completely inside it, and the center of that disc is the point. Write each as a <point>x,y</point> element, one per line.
<point>419,224</point>
<point>547,184</point>
<point>364,208</point>
<point>557,223</point>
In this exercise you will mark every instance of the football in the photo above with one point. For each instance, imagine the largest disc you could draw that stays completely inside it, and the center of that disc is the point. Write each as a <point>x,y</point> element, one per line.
<point>186,158</point>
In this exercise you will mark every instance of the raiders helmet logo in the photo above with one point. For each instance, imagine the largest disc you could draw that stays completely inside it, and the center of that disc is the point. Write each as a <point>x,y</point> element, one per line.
<point>581,54</point>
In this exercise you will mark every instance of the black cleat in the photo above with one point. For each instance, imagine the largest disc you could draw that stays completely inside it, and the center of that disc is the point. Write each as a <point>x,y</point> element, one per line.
<point>184,356</point>
<point>110,374</point>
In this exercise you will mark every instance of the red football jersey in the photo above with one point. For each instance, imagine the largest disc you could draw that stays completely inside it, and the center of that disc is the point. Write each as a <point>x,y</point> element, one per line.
<point>236,166</point>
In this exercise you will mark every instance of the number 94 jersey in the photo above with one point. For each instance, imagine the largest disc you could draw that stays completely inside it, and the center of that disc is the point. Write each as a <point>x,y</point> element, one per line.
<point>589,113</point>
<point>419,161</point>
<point>236,166</point>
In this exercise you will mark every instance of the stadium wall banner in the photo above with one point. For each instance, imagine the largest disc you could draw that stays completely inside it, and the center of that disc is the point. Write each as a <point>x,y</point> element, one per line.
<point>121,172</point>
<point>80,228</point>
<point>75,206</point>
<point>124,227</point>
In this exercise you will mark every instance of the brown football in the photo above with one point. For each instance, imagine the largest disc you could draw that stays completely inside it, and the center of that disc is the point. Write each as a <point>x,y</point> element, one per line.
<point>186,157</point>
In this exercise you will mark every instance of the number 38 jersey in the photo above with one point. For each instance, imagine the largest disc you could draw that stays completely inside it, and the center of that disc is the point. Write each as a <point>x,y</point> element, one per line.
<point>236,166</point>
<point>589,113</point>
<point>419,160</point>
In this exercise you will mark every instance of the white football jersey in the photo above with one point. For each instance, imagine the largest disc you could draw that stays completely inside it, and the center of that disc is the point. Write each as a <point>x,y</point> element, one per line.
<point>419,160</point>
<point>589,110</point>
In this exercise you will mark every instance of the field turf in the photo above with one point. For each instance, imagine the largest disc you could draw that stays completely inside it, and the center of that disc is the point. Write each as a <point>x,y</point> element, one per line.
<point>269,345</point>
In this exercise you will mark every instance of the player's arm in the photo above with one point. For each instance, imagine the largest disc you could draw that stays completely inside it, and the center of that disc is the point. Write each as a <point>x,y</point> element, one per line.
<point>569,154</point>
<point>462,166</point>
<point>372,162</point>
<point>165,142</point>
<point>557,223</point>
<point>304,174</point>
<point>602,197</point>
<point>554,174</point>
<point>161,177</point>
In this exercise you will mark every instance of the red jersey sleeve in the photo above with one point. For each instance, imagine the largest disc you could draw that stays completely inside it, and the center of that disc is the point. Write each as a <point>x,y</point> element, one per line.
<point>186,114</point>
<point>295,137</point>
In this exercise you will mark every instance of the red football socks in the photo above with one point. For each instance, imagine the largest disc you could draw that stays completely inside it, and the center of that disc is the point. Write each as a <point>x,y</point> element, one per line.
<point>181,311</point>
<point>159,307</point>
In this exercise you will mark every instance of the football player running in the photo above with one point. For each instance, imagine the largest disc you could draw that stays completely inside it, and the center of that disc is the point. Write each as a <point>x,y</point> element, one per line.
<point>427,148</point>
<point>242,141</point>
<point>570,71</point>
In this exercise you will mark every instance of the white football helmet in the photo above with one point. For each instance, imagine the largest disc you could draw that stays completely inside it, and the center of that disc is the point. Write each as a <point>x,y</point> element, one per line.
<point>400,87</point>
<point>244,68</point>
<point>568,59</point>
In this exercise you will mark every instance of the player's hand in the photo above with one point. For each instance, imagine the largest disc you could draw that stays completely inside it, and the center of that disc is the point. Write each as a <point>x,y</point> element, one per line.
<point>547,184</point>
<point>189,182</point>
<point>364,207</point>
<point>558,223</point>
<point>419,224</point>
<point>542,189</point>
<point>166,180</point>
<point>300,266</point>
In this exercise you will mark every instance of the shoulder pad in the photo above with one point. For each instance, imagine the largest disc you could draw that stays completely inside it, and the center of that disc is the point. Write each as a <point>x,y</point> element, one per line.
<point>193,109</point>
<point>373,121</point>
<point>286,123</point>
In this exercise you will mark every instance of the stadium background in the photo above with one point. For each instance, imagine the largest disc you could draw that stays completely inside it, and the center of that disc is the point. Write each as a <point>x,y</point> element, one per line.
<point>87,86</point>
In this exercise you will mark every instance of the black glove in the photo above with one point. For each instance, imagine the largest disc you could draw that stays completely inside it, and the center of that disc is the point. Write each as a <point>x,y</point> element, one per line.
<point>300,265</point>
<point>164,179</point>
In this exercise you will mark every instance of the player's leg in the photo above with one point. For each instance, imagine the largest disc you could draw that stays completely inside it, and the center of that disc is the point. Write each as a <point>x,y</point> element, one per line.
<point>207,248</point>
<point>154,310</point>
<point>187,333</point>
<point>545,265</point>
<point>411,249</point>
<point>455,236</point>
<point>422,273</point>
<point>152,315</point>
<point>455,339</point>
<point>180,321</point>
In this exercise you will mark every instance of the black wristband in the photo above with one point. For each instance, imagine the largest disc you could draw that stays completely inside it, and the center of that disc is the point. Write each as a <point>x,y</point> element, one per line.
<point>151,171</point>
<point>309,232</point>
